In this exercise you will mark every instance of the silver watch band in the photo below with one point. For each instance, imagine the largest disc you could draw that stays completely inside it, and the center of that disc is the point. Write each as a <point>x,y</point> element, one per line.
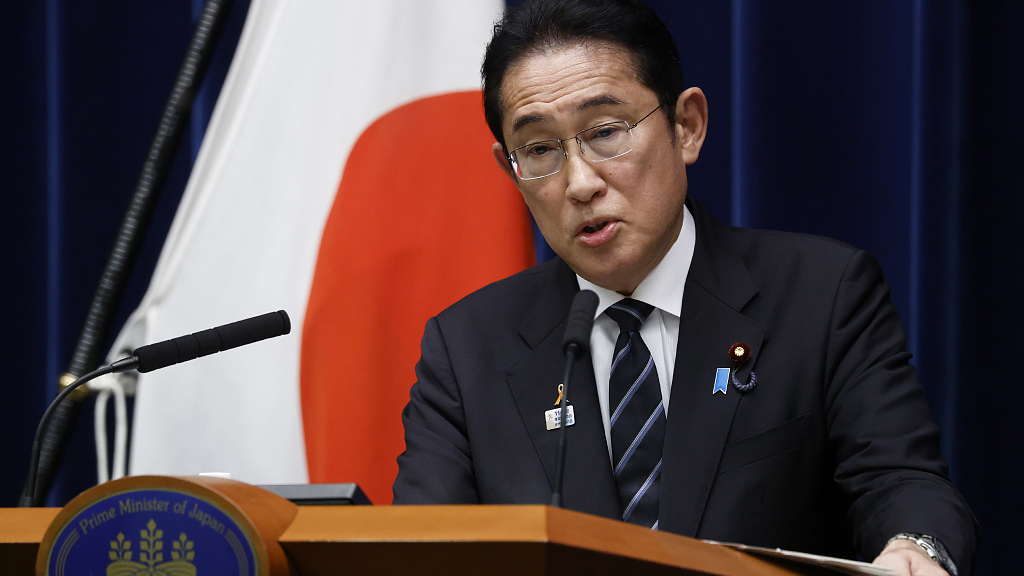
<point>932,547</point>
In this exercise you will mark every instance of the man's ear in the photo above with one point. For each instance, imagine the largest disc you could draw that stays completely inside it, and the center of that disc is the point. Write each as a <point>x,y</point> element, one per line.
<point>502,160</point>
<point>691,123</point>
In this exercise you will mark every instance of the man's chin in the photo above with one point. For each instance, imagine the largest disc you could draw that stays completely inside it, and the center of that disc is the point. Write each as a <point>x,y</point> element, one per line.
<point>613,280</point>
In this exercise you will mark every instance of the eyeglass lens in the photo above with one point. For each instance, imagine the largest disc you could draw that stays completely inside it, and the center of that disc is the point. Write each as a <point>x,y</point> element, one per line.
<point>599,143</point>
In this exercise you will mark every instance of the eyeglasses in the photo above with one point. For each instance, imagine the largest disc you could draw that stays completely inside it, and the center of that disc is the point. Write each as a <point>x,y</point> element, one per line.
<point>597,144</point>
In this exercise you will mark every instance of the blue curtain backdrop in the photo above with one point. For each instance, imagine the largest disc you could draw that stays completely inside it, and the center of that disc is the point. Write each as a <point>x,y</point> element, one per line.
<point>84,84</point>
<point>894,126</point>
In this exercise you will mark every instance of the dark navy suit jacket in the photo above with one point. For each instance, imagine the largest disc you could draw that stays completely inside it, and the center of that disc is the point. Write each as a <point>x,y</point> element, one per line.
<point>833,452</point>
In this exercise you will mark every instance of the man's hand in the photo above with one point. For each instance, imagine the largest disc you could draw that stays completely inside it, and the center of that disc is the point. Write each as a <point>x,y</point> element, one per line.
<point>908,559</point>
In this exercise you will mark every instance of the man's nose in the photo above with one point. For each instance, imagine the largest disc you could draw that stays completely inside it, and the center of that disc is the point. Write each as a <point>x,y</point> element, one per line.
<point>583,180</point>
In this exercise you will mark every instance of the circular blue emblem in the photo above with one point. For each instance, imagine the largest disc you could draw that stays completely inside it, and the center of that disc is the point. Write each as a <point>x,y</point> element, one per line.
<point>152,532</point>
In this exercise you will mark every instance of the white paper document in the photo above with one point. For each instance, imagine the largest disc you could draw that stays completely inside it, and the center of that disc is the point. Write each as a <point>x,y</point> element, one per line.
<point>840,565</point>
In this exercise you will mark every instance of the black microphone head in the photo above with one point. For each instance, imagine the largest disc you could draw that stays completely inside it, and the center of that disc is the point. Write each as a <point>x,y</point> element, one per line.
<point>184,348</point>
<point>580,322</point>
<point>286,322</point>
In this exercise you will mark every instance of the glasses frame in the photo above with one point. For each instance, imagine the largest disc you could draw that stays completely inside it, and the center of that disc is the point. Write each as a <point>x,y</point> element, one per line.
<point>565,153</point>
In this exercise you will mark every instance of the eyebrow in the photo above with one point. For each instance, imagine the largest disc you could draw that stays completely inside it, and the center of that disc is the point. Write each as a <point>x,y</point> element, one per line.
<point>524,120</point>
<point>604,100</point>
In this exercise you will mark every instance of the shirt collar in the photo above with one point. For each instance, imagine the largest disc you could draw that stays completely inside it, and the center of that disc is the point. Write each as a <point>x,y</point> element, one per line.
<point>663,287</point>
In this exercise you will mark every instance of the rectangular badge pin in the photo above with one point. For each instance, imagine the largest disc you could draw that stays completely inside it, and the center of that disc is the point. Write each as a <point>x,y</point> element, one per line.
<point>553,418</point>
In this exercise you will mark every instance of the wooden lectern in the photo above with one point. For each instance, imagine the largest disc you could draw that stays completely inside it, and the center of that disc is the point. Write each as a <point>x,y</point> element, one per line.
<point>329,540</point>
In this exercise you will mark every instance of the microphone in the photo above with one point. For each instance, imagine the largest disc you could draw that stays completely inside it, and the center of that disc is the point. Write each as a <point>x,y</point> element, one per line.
<point>184,348</point>
<point>159,355</point>
<point>580,323</point>
<point>575,342</point>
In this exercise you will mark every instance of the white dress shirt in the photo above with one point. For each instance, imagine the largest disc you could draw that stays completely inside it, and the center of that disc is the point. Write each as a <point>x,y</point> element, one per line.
<point>663,289</point>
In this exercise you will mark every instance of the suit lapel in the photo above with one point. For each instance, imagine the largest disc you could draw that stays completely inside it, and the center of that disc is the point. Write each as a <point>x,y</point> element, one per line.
<point>533,381</point>
<point>717,288</point>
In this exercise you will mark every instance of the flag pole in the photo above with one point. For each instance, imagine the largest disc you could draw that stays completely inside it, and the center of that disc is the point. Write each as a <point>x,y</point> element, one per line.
<point>136,220</point>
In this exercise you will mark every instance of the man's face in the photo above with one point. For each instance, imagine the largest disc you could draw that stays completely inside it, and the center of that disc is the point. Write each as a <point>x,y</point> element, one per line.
<point>611,221</point>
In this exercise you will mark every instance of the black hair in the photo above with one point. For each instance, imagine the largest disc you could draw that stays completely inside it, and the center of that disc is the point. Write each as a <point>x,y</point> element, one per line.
<point>544,24</point>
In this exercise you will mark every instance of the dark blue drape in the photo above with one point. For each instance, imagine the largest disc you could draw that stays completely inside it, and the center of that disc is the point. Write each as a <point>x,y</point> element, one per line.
<point>893,126</point>
<point>84,84</point>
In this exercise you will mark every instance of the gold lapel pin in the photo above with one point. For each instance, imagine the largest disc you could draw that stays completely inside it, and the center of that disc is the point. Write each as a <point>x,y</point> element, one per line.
<point>739,354</point>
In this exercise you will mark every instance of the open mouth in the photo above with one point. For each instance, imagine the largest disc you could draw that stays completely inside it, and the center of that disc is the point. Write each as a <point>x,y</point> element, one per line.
<point>595,227</point>
<point>598,233</point>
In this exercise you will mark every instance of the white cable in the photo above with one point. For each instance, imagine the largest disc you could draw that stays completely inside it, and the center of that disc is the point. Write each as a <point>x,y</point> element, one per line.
<point>108,385</point>
<point>120,432</point>
<point>100,434</point>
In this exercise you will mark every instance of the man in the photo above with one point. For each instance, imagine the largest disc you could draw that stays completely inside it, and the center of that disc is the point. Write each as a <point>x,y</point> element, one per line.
<point>741,385</point>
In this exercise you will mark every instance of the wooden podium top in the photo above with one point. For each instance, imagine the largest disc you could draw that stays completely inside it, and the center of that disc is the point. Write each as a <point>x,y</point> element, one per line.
<point>497,540</point>
<point>455,540</point>
<point>21,531</point>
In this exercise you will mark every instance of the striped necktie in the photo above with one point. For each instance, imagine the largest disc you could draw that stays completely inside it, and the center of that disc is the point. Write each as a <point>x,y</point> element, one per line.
<point>638,417</point>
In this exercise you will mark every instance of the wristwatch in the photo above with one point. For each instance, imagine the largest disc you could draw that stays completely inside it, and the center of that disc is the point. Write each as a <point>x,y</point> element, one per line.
<point>932,547</point>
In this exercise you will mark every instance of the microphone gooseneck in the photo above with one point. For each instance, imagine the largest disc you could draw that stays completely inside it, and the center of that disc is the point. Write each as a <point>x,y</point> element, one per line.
<point>29,497</point>
<point>574,344</point>
<point>159,355</point>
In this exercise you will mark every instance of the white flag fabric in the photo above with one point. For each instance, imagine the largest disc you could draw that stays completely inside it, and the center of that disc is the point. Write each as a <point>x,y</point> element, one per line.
<point>309,77</point>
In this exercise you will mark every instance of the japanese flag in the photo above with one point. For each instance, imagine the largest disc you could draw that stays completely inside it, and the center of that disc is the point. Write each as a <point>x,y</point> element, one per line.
<point>346,177</point>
